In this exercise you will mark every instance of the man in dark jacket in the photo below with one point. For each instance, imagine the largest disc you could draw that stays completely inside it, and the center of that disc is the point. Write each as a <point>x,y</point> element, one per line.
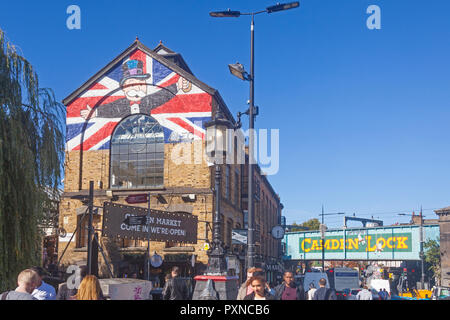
<point>175,288</point>
<point>324,293</point>
<point>288,290</point>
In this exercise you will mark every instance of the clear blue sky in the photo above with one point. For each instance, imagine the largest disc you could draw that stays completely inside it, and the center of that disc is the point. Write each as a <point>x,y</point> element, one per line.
<point>363,114</point>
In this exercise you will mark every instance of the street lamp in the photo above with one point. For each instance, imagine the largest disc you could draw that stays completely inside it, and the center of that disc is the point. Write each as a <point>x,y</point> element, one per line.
<point>421,253</point>
<point>322,231</point>
<point>238,70</point>
<point>216,147</point>
<point>225,286</point>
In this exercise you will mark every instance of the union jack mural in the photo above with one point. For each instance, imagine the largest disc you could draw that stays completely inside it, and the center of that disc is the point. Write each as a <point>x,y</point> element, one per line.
<point>137,84</point>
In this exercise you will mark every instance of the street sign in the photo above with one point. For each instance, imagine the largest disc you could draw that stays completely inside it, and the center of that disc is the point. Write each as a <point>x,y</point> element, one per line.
<point>239,236</point>
<point>137,198</point>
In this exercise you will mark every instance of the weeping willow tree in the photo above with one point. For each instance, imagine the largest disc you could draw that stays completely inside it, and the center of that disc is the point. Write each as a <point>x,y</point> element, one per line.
<point>31,157</point>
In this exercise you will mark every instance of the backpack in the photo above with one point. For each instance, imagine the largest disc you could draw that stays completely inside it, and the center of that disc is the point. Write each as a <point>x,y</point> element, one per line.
<point>4,295</point>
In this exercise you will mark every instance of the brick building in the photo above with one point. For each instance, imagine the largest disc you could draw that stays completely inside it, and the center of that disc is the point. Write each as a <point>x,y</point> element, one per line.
<point>137,126</point>
<point>267,208</point>
<point>444,230</point>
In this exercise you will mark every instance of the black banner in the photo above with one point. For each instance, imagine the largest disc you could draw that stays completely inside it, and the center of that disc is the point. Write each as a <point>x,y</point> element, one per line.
<point>164,226</point>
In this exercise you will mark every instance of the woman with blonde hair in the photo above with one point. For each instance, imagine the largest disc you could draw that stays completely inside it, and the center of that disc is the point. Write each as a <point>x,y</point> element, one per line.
<point>89,289</point>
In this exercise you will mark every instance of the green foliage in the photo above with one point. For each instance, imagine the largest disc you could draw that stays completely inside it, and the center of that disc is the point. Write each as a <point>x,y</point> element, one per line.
<point>31,158</point>
<point>433,257</point>
<point>311,224</point>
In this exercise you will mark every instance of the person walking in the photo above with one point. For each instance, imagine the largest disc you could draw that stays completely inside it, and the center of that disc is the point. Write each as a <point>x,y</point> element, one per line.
<point>89,289</point>
<point>64,293</point>
<point>175,288</point>
<point>364,294</point>
<point>258,284</point>
<point>386,294</point>
<point>44,291</point>
<point>324,293</point>
<point>311,291</point>
<point>381,294</point>
<point>246,289</point>
<point>287,290</point>
<point>27,281</point>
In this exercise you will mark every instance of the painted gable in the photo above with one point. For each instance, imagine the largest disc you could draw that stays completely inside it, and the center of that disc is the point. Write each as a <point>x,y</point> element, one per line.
<point>137,84</point>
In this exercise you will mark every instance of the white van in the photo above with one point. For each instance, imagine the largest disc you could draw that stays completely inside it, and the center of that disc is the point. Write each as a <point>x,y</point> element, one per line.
<point>378,284</point>
<point>314,277</point>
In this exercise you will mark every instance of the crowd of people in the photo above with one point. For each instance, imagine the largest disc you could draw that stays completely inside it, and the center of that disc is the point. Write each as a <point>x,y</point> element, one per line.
<point>31,286</point>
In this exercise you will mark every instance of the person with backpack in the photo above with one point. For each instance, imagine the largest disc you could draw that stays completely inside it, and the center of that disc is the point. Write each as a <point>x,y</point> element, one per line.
<point>324,293</point>
<point>27,281</point>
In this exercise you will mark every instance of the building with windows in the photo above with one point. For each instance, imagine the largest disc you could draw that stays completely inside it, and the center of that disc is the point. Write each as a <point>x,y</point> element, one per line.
<point>137,126</point>
<point>268,213</point>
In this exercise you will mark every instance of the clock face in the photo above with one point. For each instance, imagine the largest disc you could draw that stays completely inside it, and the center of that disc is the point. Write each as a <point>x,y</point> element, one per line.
<point>278,232</point>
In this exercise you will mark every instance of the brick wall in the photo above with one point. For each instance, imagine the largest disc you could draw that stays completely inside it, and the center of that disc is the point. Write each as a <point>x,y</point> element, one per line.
<point>179,177</point>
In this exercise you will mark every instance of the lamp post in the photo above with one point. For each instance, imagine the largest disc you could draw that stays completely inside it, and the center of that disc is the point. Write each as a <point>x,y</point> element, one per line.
<point>421,253</point>
<point>238,70</point>
<point>322,229</point>
<point>216,147</point>
<point>225,286</point>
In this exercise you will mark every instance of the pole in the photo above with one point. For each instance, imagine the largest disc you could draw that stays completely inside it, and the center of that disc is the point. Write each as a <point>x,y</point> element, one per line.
<point>422,278</point>
<point>323,243</point>
<point>148,239</point>
<point>89,244</point>
<point>251,216</point>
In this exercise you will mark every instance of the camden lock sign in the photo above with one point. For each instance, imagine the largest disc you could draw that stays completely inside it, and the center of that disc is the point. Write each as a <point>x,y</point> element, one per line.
<point>401,242</point>
<point>164,226</point>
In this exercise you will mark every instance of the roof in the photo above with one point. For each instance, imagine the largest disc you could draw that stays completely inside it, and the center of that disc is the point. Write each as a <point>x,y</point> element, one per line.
<point>172,56</point>
<point>165,57</point>
<point>443,210</point>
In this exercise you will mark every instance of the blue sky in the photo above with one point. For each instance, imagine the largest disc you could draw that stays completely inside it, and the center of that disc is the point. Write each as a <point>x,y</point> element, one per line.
<point>363,114</point>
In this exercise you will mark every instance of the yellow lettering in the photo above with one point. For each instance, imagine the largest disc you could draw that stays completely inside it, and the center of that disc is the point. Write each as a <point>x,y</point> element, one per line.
<point>401,243</point>
<point>342,244</point>
<point>327,244</point>
<point>335,244</point>
<point>389,242</point>
<point>379,241</point>
<point>353,244</point>
<point>308,240</point>
<point>315,245</point>
<point>369,248</point>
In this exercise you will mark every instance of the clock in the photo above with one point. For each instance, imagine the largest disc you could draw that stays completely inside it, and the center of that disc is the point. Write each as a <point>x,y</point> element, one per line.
<point>278,232</point>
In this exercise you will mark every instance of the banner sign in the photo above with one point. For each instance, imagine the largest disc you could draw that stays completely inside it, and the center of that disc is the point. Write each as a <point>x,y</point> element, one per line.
<point>371,243</point>
<point>164,226</point>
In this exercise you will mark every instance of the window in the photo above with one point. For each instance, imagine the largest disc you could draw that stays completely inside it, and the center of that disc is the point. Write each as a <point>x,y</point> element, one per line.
<point>137,154</point>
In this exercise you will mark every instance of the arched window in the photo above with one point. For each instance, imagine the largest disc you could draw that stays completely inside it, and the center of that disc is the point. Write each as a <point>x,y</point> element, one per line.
<point>137,154</point>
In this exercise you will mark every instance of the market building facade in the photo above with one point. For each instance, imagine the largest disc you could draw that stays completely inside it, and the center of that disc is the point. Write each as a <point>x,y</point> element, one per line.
<point>138,127</point>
